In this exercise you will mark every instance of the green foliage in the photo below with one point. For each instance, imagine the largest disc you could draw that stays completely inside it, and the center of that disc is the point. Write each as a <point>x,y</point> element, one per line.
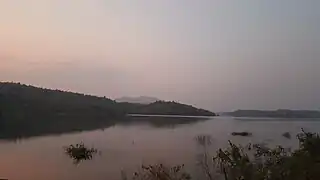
<point>235,163</point>
<point>80,152</point>
<point>160,172</point>
<point>253,162</point>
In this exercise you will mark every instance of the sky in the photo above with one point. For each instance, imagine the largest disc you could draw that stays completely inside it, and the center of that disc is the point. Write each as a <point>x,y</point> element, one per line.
<point>218,55</point>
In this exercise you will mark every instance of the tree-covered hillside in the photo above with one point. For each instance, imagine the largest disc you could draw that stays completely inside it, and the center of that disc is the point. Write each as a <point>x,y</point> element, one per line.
<point>30,111</point>
<point>166,108</point>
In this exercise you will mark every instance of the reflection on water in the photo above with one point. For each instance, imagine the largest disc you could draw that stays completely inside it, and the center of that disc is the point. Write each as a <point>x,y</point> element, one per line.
<point>157,121</point>
<point>204,140</point>
<point>126,146</point>
<point>162,121</point>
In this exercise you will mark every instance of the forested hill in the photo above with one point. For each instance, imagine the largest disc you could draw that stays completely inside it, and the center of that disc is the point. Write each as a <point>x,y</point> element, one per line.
<point>137,100</point>
<point>28,111</point>
<point>60,102</point>
<point>166,108</point>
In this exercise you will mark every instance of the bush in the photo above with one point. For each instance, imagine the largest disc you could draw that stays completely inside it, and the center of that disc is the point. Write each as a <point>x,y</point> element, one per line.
<point>252,162</point>
<point>80,152</point>
<point>160,172</point>
<point>271,164</point>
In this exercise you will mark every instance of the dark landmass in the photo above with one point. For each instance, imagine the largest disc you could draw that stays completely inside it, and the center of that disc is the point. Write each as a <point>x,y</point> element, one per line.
<point>27,111</point>
<point>137,100</point>
<point>30,111</point>
<point>165,108</point>
<point>281,113</point>
<point>241,134</point>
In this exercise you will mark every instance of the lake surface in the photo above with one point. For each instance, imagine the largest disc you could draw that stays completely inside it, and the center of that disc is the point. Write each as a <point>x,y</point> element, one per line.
<point>125,147</point>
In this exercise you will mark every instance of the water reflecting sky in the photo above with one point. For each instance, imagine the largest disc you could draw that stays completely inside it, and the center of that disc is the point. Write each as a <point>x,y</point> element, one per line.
<point>126,147</point>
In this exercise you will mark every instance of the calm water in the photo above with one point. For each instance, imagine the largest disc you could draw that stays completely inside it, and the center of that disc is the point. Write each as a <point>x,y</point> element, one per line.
<point>127,146</point>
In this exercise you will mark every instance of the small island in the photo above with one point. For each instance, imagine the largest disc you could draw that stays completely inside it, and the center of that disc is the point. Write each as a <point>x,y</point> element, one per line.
<point>32,111</point>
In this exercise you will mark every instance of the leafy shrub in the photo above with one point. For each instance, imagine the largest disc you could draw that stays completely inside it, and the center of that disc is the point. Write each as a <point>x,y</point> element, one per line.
<point>80,152</point>
<point>160,172</point>
<point>251,162</point>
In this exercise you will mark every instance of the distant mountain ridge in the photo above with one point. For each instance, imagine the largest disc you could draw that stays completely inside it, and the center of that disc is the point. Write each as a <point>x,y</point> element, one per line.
<point>280,113</point>
<point>137,100</point>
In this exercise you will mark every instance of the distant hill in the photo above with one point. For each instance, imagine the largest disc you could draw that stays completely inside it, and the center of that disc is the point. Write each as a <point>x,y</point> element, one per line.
<point>30,111</point>
<point>281,113</point>
<point>137,100</point>
<point>166,108</point>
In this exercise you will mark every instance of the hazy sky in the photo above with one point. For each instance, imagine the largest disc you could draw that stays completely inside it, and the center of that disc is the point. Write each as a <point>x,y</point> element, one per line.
<point>219,55</point>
